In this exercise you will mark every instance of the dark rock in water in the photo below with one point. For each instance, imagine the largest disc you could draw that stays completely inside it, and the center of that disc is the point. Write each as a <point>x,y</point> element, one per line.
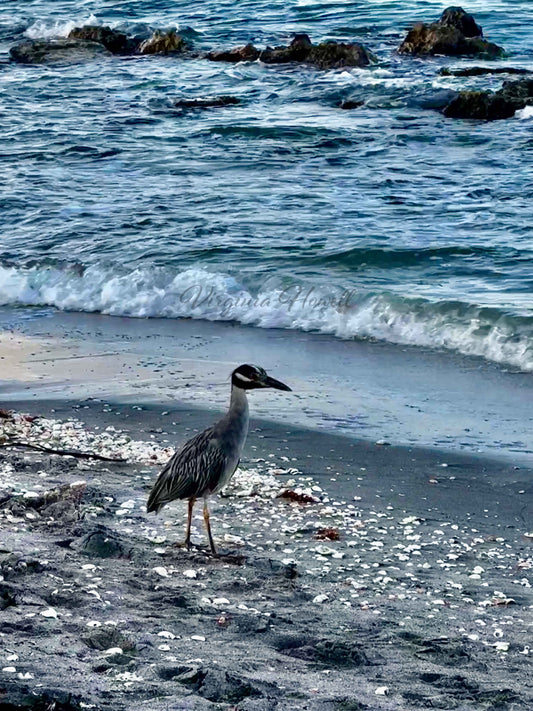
<point>248,53</point>
<point>449,36</point>
<point>435,39</point>
<point>488,106</point>
<point>297,51</point>
<point>350,104</point>
<point>518,93</point>
<point>164,43</point>
<point>463,21</point>
<point>56,51</point>
<point>115,42</point>
<point>479,105</point>
<point>327,55</point>
<point>102,543</point>
<point>332,55</point>
<point>206,103</point>
<point>480,71</point>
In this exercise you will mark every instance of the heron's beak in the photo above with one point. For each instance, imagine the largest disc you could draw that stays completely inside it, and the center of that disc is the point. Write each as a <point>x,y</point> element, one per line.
<point>269,382</point>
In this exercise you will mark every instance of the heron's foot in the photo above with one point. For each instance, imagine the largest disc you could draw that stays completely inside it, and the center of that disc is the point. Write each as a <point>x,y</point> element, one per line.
<point>188,544</point>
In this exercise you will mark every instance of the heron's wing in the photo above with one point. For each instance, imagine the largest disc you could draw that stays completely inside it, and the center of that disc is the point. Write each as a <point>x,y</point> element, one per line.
<point>192,471</point>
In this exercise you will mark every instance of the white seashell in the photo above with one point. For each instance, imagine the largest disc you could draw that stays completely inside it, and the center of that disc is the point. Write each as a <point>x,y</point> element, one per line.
<point>221,601</point>
<point>324,550</point>
<point>501,646</point>
<point>190,573</point>
<point>381,690</point>
<point>12,658</point>
<point>166,634</point>
<point>9,670</point>
<point>130,504</point>
<point>50,612</point>
<point>159,570</point>
<point>113,650</point>
<point>198,638</point>
<point>26,675</point>
<point>319,599</point>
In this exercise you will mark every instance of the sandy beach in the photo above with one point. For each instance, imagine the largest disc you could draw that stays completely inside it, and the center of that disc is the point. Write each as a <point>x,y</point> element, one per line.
<point>391,576</point>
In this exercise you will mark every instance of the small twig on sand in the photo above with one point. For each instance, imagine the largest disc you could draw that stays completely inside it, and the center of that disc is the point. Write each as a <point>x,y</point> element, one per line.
<point>62,452</point>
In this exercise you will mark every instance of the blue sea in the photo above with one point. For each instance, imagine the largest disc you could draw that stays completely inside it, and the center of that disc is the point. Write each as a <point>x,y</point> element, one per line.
<point>385,222</point>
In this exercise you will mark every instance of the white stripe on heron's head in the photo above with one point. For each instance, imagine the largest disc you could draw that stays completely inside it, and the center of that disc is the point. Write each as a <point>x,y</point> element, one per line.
<point>242,378</point>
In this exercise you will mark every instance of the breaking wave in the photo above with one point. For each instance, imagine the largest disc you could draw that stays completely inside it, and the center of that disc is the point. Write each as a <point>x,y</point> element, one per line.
<point>199,294</point>
<point>50,29</point>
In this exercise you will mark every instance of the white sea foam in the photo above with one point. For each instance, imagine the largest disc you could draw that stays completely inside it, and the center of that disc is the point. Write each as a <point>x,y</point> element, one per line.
<point>525,113</point>
<point>51,29</point>
<point>197,293</point>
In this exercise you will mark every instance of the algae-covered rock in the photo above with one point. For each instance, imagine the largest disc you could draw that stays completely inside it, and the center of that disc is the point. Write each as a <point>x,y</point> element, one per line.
<point>456,33</point>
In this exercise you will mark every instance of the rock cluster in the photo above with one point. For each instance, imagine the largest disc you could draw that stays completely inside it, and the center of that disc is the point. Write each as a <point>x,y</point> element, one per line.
<point>327,55</point>
<point>87,42</point>
<point>456,33</point>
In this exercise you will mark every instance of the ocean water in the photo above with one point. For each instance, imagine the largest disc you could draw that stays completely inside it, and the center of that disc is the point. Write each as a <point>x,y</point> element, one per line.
<point>385,222</point>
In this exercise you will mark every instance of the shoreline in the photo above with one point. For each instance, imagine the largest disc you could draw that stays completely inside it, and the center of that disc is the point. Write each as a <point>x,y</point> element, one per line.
<point>364,389</point>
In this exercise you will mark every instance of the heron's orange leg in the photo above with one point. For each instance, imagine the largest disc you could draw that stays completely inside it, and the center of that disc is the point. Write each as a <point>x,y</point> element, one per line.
<point>208,528</point>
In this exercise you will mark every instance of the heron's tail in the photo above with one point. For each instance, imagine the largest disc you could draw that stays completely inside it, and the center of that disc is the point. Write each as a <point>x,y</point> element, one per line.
<point>153,503</point>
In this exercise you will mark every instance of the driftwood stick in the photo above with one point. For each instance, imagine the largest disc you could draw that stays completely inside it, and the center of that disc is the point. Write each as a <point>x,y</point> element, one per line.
<point>62,452</point>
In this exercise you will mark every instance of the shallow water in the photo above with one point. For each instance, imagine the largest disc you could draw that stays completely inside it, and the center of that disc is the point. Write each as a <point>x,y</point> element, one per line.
<point>388,221</point>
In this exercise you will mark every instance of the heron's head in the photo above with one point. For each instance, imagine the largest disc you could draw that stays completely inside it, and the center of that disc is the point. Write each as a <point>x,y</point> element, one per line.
<point>251,377</point>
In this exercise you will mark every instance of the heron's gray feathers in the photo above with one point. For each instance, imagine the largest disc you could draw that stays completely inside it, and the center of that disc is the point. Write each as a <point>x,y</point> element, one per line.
<point>197,469</point>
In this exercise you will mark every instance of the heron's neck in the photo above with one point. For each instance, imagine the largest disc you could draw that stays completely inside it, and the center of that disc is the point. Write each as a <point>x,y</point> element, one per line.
<point>239,402</point>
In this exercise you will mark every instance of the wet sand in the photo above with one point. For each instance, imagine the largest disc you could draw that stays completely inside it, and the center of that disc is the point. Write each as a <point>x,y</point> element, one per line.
<point>424,601</point>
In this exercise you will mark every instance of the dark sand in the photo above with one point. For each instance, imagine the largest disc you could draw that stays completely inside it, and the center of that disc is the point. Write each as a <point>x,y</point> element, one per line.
<point>424,602</point>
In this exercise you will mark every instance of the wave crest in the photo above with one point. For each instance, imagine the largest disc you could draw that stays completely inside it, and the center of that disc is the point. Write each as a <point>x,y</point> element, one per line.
<point>196,293</point>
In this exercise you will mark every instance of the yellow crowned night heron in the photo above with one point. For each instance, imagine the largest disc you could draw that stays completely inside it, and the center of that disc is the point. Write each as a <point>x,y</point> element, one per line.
<point>206,463</point>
